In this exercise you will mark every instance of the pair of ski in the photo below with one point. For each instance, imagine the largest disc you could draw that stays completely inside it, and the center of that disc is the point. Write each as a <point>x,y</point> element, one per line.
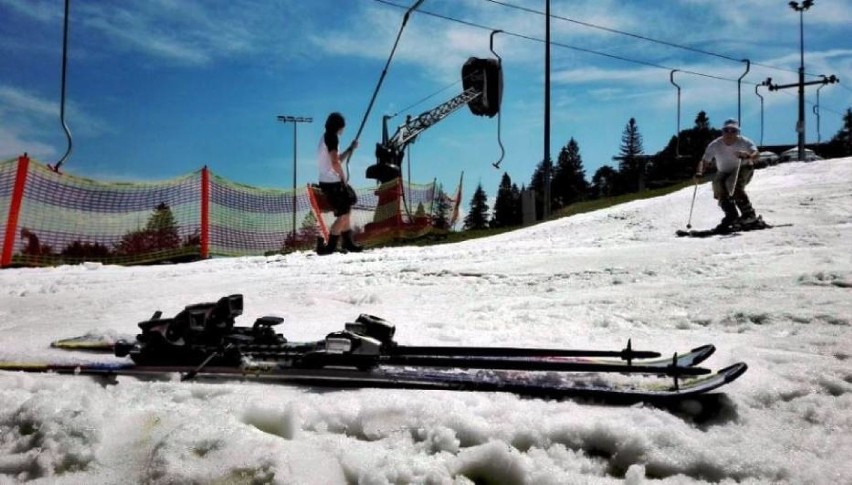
<point>315,355</point>
<point>202,342</point>
<point>550,373</point>
<point>720,230</point>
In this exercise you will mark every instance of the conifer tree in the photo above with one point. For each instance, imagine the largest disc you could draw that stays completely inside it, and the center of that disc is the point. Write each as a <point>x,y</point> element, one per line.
<point>604,182</point>
<point>841,144</point>
<point>308,231</point>
<point>507,204</point>
<point>631,160</point>
<point>569,178</point>
<point>477,218</point>
<point>441,210</point>
<point>160,233</point>
<point>677,160</point>
<point>537,183</point>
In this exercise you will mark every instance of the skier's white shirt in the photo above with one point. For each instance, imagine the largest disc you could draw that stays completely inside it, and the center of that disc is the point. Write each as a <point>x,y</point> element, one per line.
<point>726,155</point>
<point>329,142</point>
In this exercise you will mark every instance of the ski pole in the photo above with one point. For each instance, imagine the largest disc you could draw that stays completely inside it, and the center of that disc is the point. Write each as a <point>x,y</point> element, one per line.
<point>691,206</point>
<point>736,176</point>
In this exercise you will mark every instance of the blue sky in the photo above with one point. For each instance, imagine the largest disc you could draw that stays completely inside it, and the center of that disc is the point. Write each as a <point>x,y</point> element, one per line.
<point>159,88</point>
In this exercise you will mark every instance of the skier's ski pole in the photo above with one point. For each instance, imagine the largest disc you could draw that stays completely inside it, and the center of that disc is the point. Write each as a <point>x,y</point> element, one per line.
<point>736,176</point>
<point>691,206</point>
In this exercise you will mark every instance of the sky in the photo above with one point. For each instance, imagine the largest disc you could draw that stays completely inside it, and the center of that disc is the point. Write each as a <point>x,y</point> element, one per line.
<point>778,300</point>
<point>160,88</point>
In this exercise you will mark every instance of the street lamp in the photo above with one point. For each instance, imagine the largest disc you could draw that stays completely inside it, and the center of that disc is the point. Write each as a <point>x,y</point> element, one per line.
<point>800,126</point>
<point>295,120</point>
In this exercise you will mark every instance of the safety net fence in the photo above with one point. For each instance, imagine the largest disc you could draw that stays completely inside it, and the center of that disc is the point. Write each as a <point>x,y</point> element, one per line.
<point>49,218</point>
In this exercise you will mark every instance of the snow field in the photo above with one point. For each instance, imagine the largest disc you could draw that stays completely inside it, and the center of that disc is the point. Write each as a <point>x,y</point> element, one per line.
<point>777,299</point>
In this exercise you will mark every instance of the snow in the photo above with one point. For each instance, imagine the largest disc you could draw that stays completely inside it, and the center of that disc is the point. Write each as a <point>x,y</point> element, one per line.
<point>778,299</point>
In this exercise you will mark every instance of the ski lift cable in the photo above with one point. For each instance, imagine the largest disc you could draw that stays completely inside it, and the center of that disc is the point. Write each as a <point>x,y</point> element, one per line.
<point>559,44</point>
<point>408,12</point>
<point>590,51</point>
<point>638,36</point>
<point>423,100</point>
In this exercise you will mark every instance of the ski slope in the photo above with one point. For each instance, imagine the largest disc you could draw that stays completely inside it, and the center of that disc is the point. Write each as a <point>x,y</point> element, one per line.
<point>780,300</point>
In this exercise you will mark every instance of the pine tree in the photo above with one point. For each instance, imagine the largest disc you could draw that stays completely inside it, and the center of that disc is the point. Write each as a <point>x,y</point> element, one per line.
<point>537,183</point>
<point>517,211</point>
<point>631,160</point>
<point>604,182</point>
<point>477,218</point>
<point>569,178</point>
<point>841,144</point>
<point>441,210</point>
<point>668,167</point>
<point>308,231</point>
<point>507,204</point>
<point>702,122</point>
<point>160,233</point>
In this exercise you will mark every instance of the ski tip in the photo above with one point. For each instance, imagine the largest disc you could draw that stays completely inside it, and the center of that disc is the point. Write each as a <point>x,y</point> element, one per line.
<point>703,352</point>
<point>732,372</point>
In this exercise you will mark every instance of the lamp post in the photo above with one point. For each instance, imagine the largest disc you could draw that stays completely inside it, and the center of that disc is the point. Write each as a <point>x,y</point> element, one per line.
<point>800,126</point>
<point>295,120</point>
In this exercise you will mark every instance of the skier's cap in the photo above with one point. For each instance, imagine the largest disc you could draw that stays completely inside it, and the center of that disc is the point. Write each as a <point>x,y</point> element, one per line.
<point>731,124</point>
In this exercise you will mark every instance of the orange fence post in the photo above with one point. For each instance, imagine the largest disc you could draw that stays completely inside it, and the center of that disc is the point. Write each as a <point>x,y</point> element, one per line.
<point>205,213</point>
<point>455,215</point>
<point>315,207</point>
<point>14,210</point>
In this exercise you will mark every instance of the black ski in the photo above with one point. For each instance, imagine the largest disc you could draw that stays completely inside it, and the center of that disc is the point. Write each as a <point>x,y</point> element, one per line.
<point>203,342</point>
<point>757,225</point>
<point>526,383</point>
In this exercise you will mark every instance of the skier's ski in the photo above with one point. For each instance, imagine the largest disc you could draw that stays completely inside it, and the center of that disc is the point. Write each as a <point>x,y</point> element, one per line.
<point>527,383</point>
<point>757,225</point>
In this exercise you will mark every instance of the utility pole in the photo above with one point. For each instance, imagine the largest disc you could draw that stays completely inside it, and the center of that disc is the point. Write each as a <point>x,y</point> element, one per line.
<point>295,120</point>
<point>801,85</point>
<point>800,124</point>
<point>547,112</point>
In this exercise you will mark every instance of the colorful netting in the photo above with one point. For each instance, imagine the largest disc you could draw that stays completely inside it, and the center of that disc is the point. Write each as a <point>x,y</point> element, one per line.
<point>50,218</point>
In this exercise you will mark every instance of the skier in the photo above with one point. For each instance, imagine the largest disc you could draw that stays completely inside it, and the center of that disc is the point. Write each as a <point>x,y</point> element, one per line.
<point>735,156</point>
<point>333,183</point>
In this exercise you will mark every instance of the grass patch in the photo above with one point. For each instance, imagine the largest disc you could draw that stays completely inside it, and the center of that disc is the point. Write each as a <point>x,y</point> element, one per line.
<point>571,210</point>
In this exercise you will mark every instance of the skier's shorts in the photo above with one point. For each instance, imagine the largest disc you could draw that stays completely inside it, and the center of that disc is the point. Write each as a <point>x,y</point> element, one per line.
<point>723,182</point>
<point>341,197</point>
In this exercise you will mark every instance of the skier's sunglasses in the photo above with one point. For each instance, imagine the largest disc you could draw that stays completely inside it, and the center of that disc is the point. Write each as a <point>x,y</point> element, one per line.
<point>730,130</point>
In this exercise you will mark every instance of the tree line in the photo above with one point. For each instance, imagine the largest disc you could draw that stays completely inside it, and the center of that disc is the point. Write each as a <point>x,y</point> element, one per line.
<point>634,172</point>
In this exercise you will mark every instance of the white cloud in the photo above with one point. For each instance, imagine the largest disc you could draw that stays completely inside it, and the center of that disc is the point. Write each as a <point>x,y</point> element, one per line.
<point>14,144</point>
<point>17,100</point>
<point>29,120</point>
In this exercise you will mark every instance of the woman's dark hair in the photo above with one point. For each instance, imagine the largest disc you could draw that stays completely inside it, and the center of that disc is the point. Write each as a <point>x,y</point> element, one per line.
<point>334,122</point>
